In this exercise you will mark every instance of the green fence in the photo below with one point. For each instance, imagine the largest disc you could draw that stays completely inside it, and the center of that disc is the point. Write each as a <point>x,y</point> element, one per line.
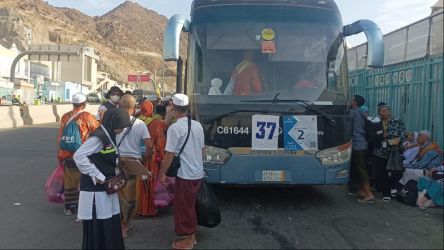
<point>413,89</point>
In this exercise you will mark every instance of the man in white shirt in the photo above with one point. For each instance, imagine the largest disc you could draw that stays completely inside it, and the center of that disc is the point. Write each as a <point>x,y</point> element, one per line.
<point>129,143</point>
<point>190,175</point>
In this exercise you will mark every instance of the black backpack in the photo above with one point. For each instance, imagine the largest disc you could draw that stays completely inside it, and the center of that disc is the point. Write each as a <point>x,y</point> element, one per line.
<point>409,193</point>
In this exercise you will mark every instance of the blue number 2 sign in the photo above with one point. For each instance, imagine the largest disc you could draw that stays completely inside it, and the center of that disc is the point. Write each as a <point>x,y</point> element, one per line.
<point>261,134</point>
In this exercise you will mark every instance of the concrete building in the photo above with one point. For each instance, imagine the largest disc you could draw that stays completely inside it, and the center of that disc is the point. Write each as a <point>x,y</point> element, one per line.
<point>58,77</point>
<point>21,88</point>
<point>7,56</point>
<point>83,71</point>
<point>437,7</point>
<point>54,77</point>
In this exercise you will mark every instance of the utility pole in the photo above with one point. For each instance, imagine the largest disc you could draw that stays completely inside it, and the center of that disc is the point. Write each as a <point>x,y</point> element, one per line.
<point>28,39</point>
<point>163,81</point>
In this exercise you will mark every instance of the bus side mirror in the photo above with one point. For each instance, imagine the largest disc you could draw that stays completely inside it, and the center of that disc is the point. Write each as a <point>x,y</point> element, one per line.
<point>171,38</point>
<point>375,40</point>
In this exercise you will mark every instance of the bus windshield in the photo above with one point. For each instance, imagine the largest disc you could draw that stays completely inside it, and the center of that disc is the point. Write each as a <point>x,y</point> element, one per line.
<point>256,52</point>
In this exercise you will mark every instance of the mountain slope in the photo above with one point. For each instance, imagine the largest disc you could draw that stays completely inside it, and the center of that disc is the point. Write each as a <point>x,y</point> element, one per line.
<point>127,39</point>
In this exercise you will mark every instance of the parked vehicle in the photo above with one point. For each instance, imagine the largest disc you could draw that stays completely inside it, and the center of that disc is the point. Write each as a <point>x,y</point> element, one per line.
<point>93,98</point>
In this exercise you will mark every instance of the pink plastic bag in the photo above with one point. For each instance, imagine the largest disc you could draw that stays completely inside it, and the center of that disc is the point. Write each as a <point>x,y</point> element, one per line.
<point>54,188</point>
<point>164,194</point>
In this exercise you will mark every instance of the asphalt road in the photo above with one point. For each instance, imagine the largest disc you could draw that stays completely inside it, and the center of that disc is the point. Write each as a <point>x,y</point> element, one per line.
<point>262,218</point>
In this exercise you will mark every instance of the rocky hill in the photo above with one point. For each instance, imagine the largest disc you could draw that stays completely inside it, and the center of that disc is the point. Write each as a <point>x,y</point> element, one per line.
<point>127,39</point>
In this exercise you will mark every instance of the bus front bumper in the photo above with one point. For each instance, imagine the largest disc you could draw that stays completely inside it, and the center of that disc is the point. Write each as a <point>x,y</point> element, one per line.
<point>276,170</point>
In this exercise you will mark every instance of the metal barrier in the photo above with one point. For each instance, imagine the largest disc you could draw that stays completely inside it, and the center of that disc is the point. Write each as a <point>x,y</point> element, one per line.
<point>411,81</point>
<point>413,89</point>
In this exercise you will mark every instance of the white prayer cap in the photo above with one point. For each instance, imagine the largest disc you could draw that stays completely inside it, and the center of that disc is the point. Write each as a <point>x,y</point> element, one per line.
<point>426,133</point>
<point>78,98</point>
<point>180,100</point>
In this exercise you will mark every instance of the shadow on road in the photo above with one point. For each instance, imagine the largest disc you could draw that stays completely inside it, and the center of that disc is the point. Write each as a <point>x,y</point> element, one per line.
<point>297,195</point>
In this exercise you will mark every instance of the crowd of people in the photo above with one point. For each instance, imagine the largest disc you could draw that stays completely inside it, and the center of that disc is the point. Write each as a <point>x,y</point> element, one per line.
<point>150,132</point>
<point>390,160</point>
<point>385,158</point>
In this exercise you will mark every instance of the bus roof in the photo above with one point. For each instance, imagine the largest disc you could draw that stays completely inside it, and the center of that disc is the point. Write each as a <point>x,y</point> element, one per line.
<point>326,4</point>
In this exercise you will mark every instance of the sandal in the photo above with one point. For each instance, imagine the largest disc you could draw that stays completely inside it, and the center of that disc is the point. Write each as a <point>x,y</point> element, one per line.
<point>130,226</point>
<point>179,245</point>
<point>67,212</point>
<point>370,200</point>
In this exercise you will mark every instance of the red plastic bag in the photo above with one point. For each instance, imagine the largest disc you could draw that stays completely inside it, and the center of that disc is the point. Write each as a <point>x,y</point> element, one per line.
<point>164,194</point>
<point>54,186</point>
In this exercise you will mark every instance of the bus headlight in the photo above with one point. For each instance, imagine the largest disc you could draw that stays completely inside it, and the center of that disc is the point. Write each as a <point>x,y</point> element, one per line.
<point>215,156</point>
<point>335,156</point>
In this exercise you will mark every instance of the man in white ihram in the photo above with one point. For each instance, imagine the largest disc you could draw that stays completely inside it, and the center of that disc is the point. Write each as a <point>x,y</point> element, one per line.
<point>190,175</point>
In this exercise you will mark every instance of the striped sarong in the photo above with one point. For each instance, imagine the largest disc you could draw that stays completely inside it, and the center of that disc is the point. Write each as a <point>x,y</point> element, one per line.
<point>71,184</point>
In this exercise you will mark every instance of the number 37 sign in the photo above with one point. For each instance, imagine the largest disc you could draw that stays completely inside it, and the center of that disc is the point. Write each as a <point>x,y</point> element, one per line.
<point>265,134</point>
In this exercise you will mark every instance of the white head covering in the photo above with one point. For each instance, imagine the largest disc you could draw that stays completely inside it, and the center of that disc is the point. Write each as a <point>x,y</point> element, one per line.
<point>426,133</point>
<point>78,98</point>
<point>180,100</point>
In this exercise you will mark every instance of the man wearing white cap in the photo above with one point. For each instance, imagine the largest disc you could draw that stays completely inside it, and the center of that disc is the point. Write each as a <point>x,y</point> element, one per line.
<point>190,175</point>
<point>429,156</point>
<point>86,123</point>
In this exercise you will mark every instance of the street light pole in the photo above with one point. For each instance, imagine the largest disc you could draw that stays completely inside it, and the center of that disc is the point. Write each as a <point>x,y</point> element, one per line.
<point>163,82</point>
<point>29,38</point>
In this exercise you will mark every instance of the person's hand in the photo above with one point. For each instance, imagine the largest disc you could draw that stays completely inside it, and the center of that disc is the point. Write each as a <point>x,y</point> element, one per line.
<point>99,181</point>
<point>394,141</point>
<point>430,172</point>
<point>145,160</point>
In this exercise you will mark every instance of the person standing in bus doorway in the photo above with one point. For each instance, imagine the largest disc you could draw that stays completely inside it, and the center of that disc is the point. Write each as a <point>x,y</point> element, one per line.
<point>358,168</point>
<point>114,94</point>
<point>129,143</point>
<point>393,135</point>
<point>86,124</point>
<point>245,79</point>
<point>190,175</point>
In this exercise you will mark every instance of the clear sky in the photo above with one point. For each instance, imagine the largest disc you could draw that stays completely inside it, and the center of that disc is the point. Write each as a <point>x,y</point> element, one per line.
<point>388,14</point>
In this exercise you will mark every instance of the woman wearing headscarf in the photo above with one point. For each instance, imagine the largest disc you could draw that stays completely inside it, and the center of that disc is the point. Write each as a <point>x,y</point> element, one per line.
<point>157,128</point>
<point>393,136</point>
<point>97,161</point>
<point>411,147</point>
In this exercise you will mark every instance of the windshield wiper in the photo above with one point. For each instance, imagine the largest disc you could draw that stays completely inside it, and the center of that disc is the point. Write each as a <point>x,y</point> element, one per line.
<point>235,112</point>
<point>302,103</point>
